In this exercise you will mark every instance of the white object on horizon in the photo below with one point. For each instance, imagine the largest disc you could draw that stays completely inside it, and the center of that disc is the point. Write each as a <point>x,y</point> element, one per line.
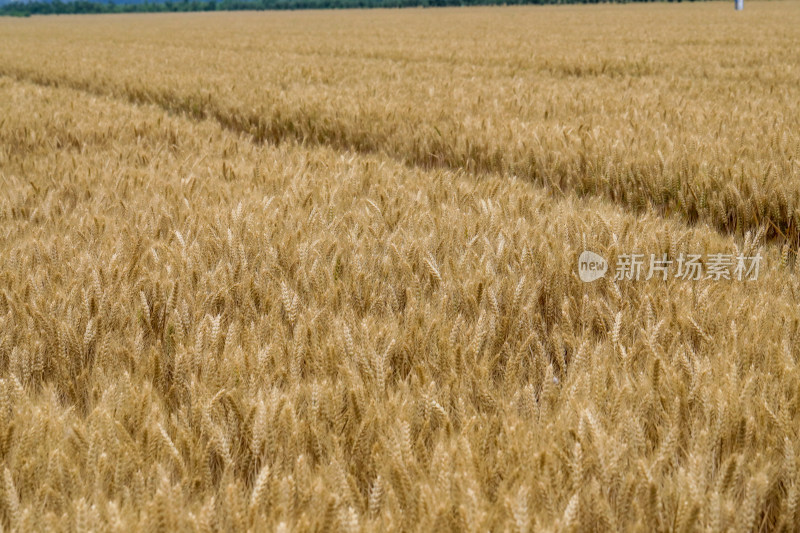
<point>739,4</point>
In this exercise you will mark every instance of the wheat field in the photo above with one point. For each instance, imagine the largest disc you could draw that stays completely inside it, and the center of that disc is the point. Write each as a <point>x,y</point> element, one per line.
<point>318,271</point>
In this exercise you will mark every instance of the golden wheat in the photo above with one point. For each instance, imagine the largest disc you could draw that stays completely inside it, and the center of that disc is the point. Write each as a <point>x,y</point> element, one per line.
<point>631,103</point>
<point>374,321</point>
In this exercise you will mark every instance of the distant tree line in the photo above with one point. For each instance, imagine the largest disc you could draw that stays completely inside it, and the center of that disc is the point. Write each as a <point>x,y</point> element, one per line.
<point>57,7</point>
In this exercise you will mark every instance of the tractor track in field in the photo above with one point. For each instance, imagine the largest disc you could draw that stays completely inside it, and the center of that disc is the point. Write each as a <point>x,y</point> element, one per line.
<point>330,132</point>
